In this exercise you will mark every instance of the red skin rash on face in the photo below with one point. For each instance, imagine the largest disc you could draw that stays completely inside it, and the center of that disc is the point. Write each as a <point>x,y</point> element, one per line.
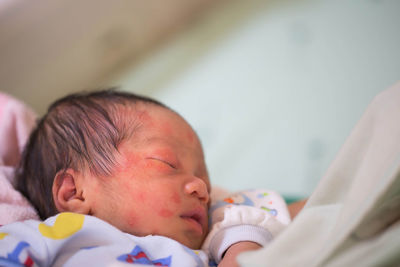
<point>166,129</point>
<point>139,198</point>
<point>132,219</point>
<point>165,213</point>
<point>156,165</point>
<point>128,161</point>
<point>132,160</point>
<point>176,198</point>
<point>145,117</point>
<point>190,136</point>
<point>161,205</point>
<point>164,154</point>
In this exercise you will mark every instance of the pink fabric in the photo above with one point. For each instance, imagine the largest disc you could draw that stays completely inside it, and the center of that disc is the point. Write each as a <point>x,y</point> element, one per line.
<point>16,122</point>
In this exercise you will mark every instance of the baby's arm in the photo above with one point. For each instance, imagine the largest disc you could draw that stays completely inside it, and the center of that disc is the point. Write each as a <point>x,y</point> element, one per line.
<point>244,221</point>
<point>229,258</point>
<point>296,207</point>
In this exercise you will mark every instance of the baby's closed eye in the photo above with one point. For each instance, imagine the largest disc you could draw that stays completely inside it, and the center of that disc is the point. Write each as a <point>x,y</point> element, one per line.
<point>163,162</point>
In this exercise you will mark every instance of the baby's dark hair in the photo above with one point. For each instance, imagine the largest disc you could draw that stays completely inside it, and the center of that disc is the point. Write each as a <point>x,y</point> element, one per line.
<point>81,131</point>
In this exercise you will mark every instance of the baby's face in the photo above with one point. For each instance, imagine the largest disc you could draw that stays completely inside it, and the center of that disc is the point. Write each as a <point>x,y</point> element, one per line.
<point>161,186</point>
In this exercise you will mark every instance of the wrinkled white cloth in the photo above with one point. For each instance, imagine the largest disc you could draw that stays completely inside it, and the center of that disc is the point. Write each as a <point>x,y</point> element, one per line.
<point>352,218</point>
<point>16,122</point>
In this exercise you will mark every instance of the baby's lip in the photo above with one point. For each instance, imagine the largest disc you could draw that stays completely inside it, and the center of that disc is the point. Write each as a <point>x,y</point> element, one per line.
<point>198,215</point>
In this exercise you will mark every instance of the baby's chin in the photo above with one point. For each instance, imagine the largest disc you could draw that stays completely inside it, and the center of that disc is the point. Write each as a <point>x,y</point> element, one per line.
<point>191,244</point>
<point>188,238</point>
<point>191,241</point>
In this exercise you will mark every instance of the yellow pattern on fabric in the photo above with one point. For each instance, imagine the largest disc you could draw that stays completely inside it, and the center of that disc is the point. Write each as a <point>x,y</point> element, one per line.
<point>2,235</point>
<point>66,225</point>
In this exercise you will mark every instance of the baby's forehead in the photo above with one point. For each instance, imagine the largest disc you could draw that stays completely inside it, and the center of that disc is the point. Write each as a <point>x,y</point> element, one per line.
<point>144,112</point>
<point>147,120</point>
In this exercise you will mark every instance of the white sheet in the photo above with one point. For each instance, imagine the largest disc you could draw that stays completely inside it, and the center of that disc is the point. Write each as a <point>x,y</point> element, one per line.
<point>352,218</point>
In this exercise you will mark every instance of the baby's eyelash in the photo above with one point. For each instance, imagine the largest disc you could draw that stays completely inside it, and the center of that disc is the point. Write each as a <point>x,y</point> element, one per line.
<point>164,161</point>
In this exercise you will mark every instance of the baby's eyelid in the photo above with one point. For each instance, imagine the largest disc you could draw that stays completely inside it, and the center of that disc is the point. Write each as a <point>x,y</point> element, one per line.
<point>163,161</point>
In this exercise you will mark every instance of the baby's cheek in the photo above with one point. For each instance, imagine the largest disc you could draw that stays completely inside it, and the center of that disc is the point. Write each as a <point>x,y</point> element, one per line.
<point>166,206</point>
<point>170,210</point>
<point>166,213</point>
<point>132,219</point>
<point>176,198</point>
<point>132,214</point>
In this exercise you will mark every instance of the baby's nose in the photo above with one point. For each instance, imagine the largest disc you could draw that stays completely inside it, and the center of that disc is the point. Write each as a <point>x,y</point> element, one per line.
<point>197,187</point>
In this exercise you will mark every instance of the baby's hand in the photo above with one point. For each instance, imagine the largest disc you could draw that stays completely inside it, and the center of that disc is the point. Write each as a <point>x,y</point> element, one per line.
<point>253,217</point>
<point>229,259</point>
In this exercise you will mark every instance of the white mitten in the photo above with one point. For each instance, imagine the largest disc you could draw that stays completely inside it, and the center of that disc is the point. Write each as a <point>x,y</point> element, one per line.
<point>253,215</point>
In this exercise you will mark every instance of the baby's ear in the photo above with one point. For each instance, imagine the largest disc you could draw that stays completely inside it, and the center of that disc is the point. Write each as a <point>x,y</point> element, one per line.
<point>68,192</point>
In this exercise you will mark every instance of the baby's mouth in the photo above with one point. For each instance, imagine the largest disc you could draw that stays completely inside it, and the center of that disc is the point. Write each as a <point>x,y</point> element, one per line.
<point>196,216</point>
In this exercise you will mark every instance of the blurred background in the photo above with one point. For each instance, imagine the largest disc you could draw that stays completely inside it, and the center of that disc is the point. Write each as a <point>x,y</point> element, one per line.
<point>273,88</point>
